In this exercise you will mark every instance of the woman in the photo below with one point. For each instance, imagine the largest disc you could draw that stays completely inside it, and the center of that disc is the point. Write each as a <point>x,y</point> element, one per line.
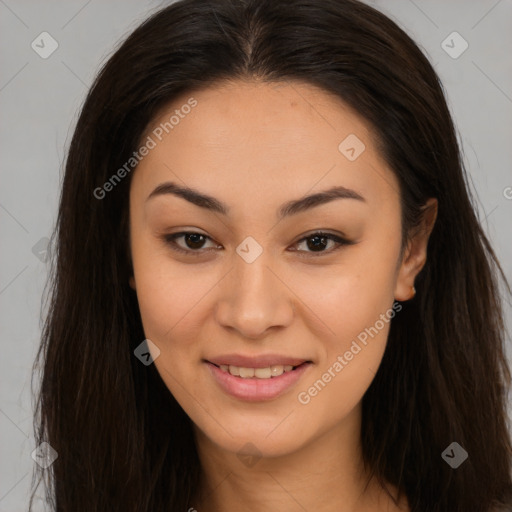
<point>271,290</point>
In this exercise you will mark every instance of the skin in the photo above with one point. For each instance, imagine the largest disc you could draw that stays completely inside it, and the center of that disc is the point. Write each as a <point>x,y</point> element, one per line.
<point>255,146</point>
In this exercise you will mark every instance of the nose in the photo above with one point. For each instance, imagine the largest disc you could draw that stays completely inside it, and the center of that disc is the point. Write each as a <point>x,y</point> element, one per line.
<point>253,299</point>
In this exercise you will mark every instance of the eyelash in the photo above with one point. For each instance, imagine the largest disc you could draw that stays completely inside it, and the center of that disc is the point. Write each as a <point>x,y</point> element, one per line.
<point>170,240</point>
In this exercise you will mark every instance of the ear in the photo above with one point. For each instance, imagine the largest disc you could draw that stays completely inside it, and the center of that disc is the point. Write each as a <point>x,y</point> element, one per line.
<point>415,254</point>
<point>132,282</point>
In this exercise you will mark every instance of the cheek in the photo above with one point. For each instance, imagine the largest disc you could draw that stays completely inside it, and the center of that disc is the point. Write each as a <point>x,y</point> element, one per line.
<point>167,291</point>
<point>170,300</point>
<point>356,305</point>
<point>358,317</point>
<point>359,314</point>
<point>350,296</point>
<point>170,306</point>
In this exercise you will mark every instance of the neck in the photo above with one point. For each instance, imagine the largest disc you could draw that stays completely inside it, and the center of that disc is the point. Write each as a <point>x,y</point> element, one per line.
<point>325,475</point>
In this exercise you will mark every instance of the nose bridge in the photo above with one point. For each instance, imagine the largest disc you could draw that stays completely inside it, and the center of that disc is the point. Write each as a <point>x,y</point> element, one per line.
<point>251,272</point>
<point>253,298</point>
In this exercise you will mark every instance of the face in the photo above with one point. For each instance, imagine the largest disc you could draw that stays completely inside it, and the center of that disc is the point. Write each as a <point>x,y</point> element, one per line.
<point>245,284</point>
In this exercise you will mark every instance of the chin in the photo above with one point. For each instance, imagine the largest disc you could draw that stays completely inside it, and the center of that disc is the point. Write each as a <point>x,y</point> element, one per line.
<point>258,440</point>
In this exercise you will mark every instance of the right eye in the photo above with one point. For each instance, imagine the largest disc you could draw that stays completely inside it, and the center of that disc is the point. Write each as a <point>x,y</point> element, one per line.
<point>192,239</point>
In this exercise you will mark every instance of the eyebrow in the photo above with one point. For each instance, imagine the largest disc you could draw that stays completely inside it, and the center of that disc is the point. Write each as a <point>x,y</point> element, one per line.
<point>292,207</point>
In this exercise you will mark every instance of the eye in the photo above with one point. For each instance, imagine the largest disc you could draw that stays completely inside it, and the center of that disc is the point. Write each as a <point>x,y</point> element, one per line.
<point>195,241</point>
<point>318,241</point>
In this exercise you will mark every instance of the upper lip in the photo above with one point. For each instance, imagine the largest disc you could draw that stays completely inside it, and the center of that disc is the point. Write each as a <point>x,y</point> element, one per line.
<point>262,361</point>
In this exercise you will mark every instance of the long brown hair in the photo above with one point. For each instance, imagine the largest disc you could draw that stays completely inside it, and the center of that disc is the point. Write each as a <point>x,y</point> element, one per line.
<point>123,442</point>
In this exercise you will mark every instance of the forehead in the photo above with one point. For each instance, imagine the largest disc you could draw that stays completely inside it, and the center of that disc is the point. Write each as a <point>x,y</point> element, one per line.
<point>262,140</point>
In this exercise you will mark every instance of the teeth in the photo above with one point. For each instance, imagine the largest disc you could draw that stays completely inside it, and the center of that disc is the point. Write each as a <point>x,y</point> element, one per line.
<point>263,373</point>
<point>277,370</point>
<point>259,373</point>
<point>246,373</point>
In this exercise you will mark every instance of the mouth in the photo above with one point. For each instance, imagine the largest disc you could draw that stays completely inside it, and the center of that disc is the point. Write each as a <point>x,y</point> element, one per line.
<point>252,384</point>
<point>267,372</point>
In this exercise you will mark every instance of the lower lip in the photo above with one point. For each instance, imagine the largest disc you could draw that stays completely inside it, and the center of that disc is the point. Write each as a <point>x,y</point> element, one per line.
<point>254,389</point>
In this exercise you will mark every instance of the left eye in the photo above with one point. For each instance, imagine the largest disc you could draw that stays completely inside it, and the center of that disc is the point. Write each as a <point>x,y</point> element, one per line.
<point>318,241</point>
<point>194,241</point>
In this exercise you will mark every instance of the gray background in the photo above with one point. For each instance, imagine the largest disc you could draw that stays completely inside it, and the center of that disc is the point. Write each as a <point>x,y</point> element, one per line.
<point>39,101</point>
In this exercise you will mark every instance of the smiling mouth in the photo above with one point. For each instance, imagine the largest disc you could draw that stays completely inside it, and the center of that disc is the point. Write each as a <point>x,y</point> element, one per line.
<point>267,372</point>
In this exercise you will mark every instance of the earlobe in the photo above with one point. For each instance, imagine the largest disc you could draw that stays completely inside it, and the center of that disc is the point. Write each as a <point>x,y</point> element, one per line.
<point>415,256</point>
<point>410,268</point>
<point>404,296</point>
<point>132,282</point>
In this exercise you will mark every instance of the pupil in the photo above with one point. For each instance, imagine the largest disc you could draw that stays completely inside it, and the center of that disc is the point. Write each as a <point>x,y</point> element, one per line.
<point>317,245</point>
<point>194,240</point>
